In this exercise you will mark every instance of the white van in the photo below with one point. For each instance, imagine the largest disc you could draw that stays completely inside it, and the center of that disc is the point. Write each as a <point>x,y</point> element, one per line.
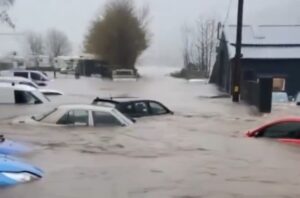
<point>36,76</point>
<point>25,81</point>
<point>20,94</point>
<point>124,75</point>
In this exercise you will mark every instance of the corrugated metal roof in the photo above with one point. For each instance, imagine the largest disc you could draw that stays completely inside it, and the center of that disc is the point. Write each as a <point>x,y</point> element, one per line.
<point>268,41</point>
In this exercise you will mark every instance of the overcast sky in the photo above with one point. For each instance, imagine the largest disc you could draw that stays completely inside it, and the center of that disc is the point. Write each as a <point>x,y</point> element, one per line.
<point>74,16</point>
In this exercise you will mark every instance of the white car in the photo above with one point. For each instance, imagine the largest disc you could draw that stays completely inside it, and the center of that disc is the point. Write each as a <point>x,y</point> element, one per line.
<point>25,81</point>
<point>78,115</point>
<point>38,77</point>
<point>20,94</point>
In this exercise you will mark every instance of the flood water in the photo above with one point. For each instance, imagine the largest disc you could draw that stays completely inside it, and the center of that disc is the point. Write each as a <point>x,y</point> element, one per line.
<point>199,152</point>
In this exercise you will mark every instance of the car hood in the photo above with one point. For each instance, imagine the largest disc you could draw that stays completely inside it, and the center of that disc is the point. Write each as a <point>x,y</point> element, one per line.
<point>9,147</point>
<point>50,92</point>
<point>11,164</point>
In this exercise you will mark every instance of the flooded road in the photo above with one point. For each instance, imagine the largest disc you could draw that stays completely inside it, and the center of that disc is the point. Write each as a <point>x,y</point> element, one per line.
<point>199,152</point>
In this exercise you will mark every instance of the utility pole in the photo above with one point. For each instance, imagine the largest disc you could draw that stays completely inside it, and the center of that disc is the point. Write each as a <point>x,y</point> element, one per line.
<point>236,70</point>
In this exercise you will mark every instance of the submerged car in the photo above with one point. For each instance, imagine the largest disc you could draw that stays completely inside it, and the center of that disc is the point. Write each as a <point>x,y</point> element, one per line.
<point>78,115</point>
<point>134,107</point>
<point>20,94</point>
<point>280,98</point>
<point>28,82</point>
<point>285,130</point>
<point>13,171</point>
<point>297,99</point>
<point>38,77</point>
<point>8,147</point>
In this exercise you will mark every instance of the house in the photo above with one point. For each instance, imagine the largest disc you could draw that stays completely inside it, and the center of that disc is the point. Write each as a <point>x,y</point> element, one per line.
<point>11,52</point>
<point>267,51</point>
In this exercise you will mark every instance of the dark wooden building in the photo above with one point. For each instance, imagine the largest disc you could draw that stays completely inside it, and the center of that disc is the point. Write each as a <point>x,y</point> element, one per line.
<point>268,51</point>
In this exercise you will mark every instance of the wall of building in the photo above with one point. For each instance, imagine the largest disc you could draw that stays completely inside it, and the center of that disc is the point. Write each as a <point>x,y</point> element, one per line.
<point>289,69</point>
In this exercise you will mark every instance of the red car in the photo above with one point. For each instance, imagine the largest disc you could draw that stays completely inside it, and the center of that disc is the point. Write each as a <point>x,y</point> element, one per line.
<point>284,130</point>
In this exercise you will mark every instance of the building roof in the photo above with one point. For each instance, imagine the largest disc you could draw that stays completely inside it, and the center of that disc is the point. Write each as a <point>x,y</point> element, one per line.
<point>266,41</point>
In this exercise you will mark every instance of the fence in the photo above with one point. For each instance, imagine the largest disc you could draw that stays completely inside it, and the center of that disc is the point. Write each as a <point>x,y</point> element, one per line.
<point>258,94</point>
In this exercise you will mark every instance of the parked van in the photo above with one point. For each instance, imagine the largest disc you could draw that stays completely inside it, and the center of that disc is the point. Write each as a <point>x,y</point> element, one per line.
<point>36,76</point>
<point>25,81</point>
<point>11,93</point>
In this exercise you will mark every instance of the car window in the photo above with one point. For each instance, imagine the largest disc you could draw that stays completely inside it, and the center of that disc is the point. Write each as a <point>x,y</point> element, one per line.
<point>128,108</point>
<point>141,108</point>
<point>157,109</point>
<point>35,76</point>
<point>25,97</point>
<point>103,118</point>
<point>75,117</point>
<point>282,130</point>
<point>21,74</point>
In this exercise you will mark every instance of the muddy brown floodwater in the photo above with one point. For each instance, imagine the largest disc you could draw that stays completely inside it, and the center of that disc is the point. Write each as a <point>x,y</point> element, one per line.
<point>199,152</point>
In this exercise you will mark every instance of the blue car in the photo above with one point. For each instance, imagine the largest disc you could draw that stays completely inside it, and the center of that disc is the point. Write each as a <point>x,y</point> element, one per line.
<point>8,147</point>
<point>13,171</point>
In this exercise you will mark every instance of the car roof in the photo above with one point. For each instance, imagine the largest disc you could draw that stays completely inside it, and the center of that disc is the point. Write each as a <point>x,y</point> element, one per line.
<point>288,119</point>
<point>126,99</point>
<point>85,107</point>
<point>17,87</point>
<point>14,79</point>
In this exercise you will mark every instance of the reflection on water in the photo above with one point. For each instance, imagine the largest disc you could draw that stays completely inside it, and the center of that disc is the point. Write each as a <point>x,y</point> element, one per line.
<point>198,152</point>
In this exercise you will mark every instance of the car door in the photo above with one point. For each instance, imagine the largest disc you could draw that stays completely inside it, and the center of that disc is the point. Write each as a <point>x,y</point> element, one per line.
<point>105,119</point>
<point>79,118</point>
<point>157,108</point>
<point>284,130</point>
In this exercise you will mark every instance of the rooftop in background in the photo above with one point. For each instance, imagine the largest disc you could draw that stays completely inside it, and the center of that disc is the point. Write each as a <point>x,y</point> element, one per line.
<point>266,41</point>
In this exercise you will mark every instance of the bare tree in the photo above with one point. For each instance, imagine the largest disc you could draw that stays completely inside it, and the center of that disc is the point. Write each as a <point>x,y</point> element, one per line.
<point>4,17</point>
<point>34,46</point>
<point>206,44</point>
<point>120,35</point>
<point>6,2</point>
<point>57,43</point>
<point>187,46</point>
<point>199,46</point>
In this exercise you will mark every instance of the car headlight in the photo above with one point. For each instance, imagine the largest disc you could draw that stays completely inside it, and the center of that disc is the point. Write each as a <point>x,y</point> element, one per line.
<point>20,177</point>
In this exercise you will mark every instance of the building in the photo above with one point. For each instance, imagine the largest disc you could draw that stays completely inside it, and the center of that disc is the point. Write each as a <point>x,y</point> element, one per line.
<point>84,65</point>
<point>267,51</point>
<point>11,52</point>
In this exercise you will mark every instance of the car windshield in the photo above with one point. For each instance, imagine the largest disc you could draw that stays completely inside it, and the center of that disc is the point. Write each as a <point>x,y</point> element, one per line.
<point>280,97</point>
<point>43,116</point>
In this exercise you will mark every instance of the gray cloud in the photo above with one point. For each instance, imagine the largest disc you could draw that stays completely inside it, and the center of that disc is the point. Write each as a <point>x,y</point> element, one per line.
<point>74,16</point>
